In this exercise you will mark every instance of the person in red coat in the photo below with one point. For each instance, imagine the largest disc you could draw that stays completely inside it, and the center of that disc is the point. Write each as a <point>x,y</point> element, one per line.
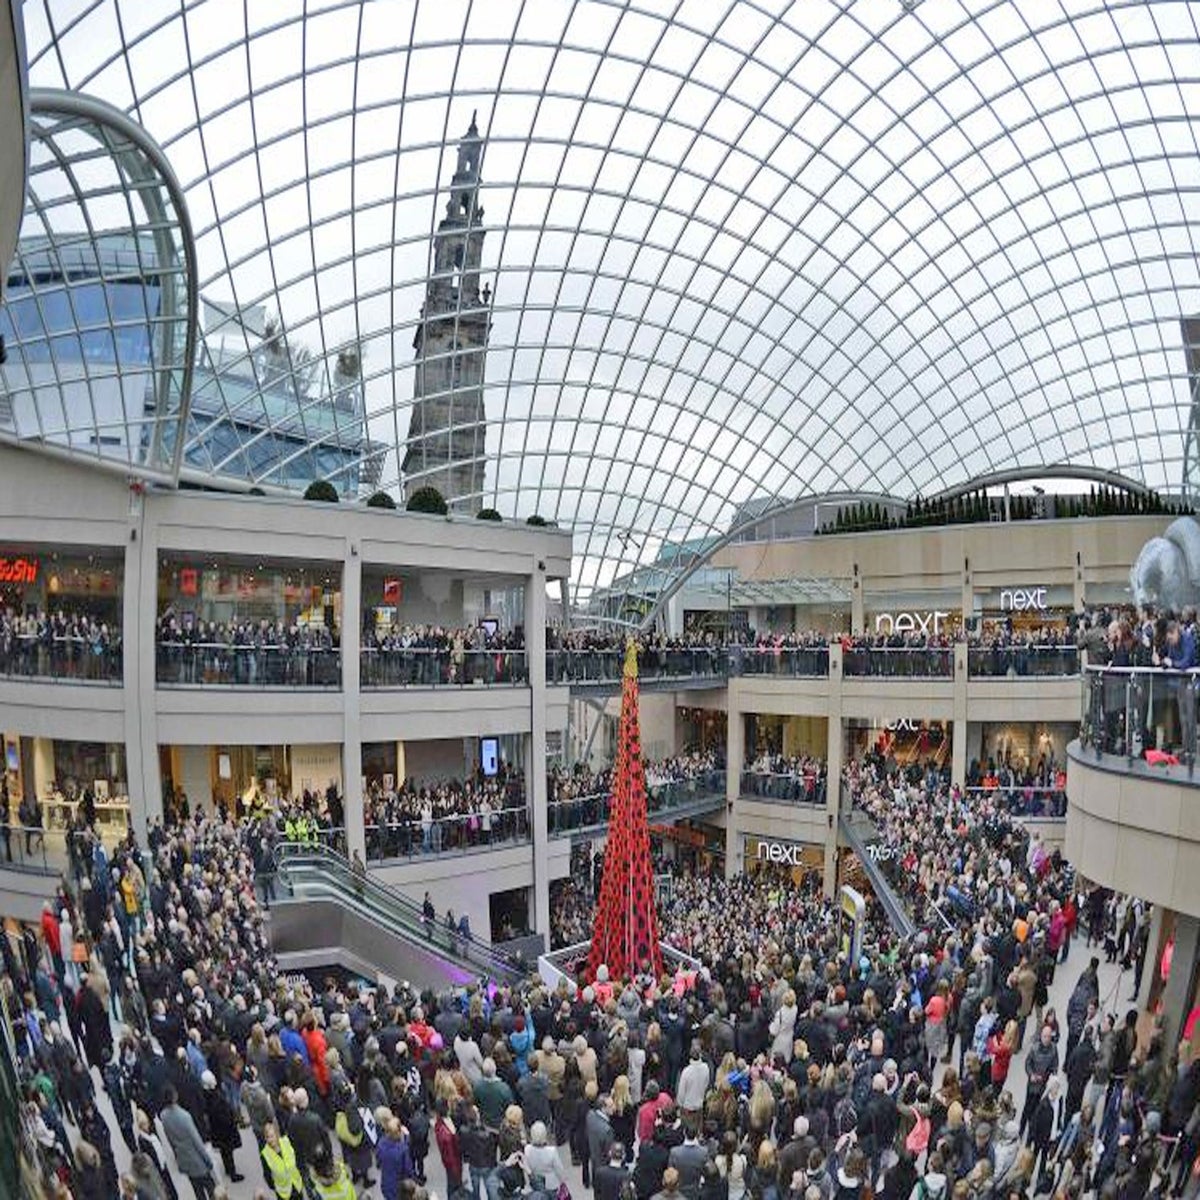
<point>448,1148</point>
<point>315,1043</point>
<point>53,936</point>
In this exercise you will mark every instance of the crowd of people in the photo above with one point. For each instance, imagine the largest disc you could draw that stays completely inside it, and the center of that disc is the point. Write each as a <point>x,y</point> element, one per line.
<point>60,645</point>
<point>781,1069</point>
<point>1128,714</point>
<point>291,653</point>
<point>579,796</point>
<point>796,778</point>
<point>433,655</point>
<point>449,815</point>
<point>1001,650</point>
<point>1026,788</point>
<point>246,653</point>
<point>446,815</point>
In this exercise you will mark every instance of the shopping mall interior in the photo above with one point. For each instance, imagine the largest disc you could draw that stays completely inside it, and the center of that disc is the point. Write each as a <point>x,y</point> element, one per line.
<point>600,596</point>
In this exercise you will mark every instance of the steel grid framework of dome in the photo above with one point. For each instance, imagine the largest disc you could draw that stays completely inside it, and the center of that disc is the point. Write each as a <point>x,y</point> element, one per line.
<point>726,252</point>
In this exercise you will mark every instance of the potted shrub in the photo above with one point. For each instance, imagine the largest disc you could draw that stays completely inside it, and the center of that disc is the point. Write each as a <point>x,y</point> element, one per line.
<point>428,500</point>
<point>323,490</point>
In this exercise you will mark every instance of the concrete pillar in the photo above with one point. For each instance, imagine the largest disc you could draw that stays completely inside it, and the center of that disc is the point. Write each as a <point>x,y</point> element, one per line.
<point>139,611</point>
<point>857,619</point>
<point>735,756</point>
<point>958,745</point>
<point>535,760</point>
<point>356,838</point>
<point>967,606</point>
<point>1154,954</point>
<point>1180,990</point>
<point>834,751</point>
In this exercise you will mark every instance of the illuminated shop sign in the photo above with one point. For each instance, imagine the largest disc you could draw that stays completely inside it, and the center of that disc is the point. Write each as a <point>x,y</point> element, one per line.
<point>780,852</point>
<point>1024,599</point>
<point>929,623</point>
<point>18,570</point>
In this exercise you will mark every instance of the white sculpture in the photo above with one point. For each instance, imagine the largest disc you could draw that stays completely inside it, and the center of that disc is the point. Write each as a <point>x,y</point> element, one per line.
<point>1167,571</point>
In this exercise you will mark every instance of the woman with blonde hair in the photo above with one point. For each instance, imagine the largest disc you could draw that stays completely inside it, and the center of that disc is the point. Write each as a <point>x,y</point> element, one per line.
<point>624,1115</point>
<point>761,1111</point>
<point>257,1051</point>
<point>727,1066</point>
<point>762,1180</point>
<point>513,1134</point>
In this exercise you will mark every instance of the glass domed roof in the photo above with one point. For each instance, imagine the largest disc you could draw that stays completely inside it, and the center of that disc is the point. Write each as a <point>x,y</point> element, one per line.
<point>731,250</point>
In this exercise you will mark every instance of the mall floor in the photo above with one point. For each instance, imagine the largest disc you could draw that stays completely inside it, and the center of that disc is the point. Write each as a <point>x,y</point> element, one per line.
<point>1116,988</point>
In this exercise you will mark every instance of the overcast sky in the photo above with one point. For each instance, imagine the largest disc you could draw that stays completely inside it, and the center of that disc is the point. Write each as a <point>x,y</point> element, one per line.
<point>736,248</point>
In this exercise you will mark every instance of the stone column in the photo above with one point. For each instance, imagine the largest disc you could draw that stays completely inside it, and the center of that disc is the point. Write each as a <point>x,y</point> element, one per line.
<point>139,618</point>
<point>351,640</point>
<point>1180,990</point>
<point>1154,954</point>
<point>958,746</point>
<point>735,754</point>
<point>834,750</point>
<point>536,792</point>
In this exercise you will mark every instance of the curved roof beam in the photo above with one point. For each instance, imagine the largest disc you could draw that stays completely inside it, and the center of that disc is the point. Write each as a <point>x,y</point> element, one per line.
<point>102,206</point>
<point>14,130</point>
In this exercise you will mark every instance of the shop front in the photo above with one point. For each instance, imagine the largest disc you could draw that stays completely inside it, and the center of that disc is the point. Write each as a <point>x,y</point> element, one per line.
<point>75,583</point>
<point>798,863</point>
<point>697,847</point>
<point>60,613</point>
<point>906,741</point>
<point>229,591</point>
<point>65,781</point>
<point>247,779</point>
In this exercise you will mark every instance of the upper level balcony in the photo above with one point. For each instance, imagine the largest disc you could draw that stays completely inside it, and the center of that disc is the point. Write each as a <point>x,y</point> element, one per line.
<point>1133,822</point>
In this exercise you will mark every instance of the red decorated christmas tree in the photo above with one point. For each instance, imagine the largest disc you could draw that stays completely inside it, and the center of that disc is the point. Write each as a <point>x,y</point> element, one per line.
<point>626,934</point>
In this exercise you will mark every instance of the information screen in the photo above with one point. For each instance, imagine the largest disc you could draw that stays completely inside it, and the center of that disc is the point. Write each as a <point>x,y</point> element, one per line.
<point>489,755</point>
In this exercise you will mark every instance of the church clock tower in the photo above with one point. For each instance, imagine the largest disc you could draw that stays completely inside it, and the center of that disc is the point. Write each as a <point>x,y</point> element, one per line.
<point>447,433</point>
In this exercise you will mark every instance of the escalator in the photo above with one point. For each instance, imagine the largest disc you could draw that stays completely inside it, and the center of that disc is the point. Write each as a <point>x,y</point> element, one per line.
<point>863,838</point>
<point>329,915</point>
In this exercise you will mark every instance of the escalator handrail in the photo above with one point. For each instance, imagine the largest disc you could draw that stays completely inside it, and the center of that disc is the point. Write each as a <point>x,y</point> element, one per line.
<point>897,914</point>
<point>407,912</point>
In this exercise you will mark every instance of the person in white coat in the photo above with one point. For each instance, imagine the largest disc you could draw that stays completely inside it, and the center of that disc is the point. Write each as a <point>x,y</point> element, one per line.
<point>783,1027</point>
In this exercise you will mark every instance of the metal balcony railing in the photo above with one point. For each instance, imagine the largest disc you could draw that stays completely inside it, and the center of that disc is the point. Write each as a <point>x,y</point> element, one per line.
<point>1130,711</point>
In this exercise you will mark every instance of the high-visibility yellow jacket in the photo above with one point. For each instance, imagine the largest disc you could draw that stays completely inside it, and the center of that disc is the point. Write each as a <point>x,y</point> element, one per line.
<point>342,1187</point>
<point>285,1174</point>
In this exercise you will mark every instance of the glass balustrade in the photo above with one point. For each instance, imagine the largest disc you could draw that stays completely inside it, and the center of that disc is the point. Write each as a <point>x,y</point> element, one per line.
<point>417,667</point>
<point>461,833</point>
<point>1140,712</point>
<point>1001,661</point>
<point>901,662</point>
<point>219,664</point>
<point>62,659</point>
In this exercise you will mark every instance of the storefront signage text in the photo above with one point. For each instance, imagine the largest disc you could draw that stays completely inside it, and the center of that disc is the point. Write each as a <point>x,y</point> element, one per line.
<point>1023,599</point>
<point>778,852</point>
<point>929,623</point>
<point>18,570</point>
